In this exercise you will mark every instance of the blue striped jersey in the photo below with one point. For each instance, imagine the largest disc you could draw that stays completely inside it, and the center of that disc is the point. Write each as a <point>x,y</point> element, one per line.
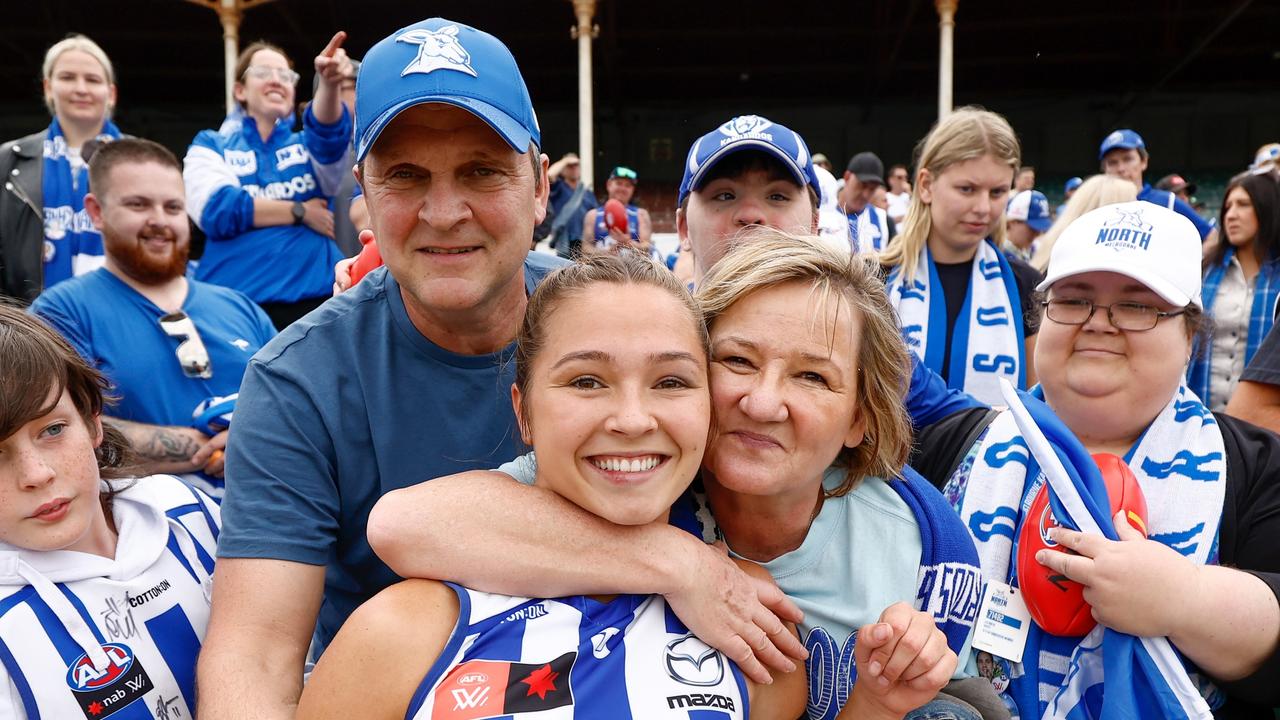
<point>576,658</point>
<point>83,636</point>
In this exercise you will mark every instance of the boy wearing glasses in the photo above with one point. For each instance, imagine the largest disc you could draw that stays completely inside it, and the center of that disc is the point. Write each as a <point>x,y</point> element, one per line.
<point>174,349</point>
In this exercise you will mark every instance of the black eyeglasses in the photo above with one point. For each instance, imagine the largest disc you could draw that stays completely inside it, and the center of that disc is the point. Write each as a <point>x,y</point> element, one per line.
<point>193,356</point>
<point>1131,316</point>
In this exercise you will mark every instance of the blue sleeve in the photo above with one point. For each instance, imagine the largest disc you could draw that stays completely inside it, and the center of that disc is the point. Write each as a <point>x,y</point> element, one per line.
<point>929,399</point>
<point>265,329</point>
<point>228,213</point>
<point>326,143</point>
<point>1204,227</point>
<point>50,308</point>
<point>282,498</point>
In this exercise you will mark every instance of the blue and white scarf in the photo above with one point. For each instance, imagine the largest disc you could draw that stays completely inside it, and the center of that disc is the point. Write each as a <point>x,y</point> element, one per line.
<point>868,230</point>
<point>949,581</point>
<point>1266,291</point>
<point>72,245</point>
<point>1180,464</point>
<point>988,337</point>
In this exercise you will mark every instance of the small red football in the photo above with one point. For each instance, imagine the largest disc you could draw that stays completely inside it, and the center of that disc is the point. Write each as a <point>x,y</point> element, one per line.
<point>367,261</point>
<point>1057,604</point>
<point>615,216</point>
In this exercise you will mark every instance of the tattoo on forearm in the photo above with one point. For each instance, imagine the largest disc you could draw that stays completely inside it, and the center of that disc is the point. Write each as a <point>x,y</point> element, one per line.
<point>164,444</point>
<point>158,443</point>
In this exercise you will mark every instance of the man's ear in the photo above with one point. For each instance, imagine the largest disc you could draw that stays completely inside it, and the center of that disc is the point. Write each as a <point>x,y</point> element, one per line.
<point>542,192</point>
<point>682,230</point>
<point>94,208</point>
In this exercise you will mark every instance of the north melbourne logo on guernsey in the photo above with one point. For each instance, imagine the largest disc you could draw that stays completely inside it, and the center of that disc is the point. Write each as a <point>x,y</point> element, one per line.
<point>1126,231</point>
<point>437,50</point>
<point>745,126</point>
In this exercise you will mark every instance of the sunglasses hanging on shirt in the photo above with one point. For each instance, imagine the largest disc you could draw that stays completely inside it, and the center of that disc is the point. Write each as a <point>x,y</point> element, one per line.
<point>192,354</point>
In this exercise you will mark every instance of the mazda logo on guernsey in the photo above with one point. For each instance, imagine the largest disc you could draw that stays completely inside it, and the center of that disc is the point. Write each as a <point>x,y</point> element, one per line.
<point>693,662</point>
<point>437,50</point>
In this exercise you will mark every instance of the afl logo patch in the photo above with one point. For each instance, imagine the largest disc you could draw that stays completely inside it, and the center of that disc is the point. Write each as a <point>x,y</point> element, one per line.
<point>101,692</point>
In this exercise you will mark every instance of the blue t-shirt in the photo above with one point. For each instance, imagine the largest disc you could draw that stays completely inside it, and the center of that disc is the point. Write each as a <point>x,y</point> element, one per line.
<point>226,169</point>
<point>118,331</point>
<point>1166,199</point>
<point>561,194</point>
<point>345,405</point>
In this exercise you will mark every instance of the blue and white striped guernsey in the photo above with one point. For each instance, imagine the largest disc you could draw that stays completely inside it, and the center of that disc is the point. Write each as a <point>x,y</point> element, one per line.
<point>574,658</point>
<point>83,636</point>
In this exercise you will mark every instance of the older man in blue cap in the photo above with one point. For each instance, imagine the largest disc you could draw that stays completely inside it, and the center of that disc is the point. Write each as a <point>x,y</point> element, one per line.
<point>395,381</point>
<point>403,378</point>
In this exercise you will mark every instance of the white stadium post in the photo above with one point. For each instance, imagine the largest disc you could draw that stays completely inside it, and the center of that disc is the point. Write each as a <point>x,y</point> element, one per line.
<point>584,32</point>
<point>946,48</point>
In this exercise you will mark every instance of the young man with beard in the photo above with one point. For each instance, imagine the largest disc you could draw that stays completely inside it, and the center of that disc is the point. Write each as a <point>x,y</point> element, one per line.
<point>174,349</point>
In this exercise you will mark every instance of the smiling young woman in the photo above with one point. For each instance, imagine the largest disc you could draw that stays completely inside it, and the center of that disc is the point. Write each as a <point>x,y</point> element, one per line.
<point>46,237</point>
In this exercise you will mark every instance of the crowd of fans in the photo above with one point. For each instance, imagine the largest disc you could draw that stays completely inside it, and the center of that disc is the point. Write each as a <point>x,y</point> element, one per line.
<point>878,444</point>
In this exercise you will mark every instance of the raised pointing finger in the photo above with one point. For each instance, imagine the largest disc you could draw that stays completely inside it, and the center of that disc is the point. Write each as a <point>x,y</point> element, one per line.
<point>334,43</point>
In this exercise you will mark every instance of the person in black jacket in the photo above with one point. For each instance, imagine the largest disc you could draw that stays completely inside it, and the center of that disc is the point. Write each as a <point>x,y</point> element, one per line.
<point>45,234</point>
<point>1122,308</point>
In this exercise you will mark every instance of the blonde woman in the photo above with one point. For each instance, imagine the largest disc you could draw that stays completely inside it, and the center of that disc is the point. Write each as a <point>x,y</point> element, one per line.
<point>1093,193</point>
<point>965,308</point>
<point>45,235</point>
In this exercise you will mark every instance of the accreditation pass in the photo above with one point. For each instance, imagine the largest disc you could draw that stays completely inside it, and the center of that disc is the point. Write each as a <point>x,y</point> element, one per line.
<point>1003,622</point>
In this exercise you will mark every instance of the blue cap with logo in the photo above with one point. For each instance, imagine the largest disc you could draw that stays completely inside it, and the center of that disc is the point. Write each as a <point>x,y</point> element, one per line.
<point>749,132</point>
<point>441,61</point>
<point>1123,139</point>
<point>1072,184</point>
<point>1032,208</point>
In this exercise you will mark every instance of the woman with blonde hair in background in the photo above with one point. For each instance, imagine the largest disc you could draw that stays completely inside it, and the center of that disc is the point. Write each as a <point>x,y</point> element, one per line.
<point>965,308</point>
<point>45,234</point>
<point>1093,193</point>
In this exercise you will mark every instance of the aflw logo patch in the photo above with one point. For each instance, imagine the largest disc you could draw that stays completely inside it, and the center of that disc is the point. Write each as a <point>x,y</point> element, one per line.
<point>489,688</point>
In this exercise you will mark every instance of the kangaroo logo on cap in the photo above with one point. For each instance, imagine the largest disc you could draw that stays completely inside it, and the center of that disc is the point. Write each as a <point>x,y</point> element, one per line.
<point>437,50</point>
<point>1126,230</point>
<point>745,126</point>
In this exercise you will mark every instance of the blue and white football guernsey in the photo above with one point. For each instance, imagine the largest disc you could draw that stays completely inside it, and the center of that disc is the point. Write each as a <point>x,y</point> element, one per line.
<point>602,237</point>
<point>574,658</point>
<point>226,169</point>
<point>83,636</point>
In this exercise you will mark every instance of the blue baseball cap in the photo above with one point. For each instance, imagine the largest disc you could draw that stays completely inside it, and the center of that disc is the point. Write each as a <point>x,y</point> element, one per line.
<point>1123,139</point>
<point>748,132</point>
<point>1072,184</point>
<point>441,61</point>
<point>1032,208</point>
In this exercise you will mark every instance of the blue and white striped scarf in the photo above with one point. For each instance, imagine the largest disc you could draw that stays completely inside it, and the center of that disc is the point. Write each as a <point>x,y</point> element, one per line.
<point>72,245</point>
<point>987,342</point>
<point>1266,291</point>
<point>1180,465</point>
